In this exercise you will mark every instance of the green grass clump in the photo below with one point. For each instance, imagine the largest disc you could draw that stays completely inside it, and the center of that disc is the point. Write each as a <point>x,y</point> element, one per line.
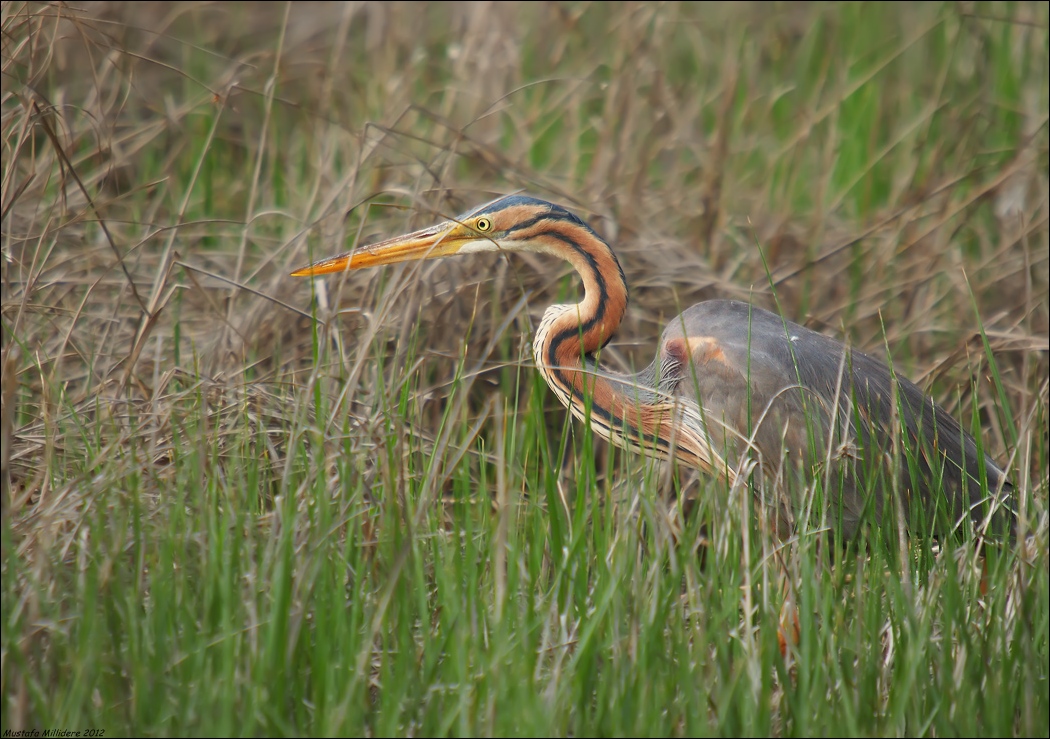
<point>238,502</point>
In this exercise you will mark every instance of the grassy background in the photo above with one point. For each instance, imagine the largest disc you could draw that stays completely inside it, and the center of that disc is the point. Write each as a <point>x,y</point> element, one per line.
<point>237,502</point>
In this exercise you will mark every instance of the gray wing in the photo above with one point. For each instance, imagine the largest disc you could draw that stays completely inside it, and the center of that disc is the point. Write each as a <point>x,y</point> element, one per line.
<point>811,406</point>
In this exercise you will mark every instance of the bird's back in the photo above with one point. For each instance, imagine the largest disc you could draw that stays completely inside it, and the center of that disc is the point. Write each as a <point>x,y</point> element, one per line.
<point>813,407</point>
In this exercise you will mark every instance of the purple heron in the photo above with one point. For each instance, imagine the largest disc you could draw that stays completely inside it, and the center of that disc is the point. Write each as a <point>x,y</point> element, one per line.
<point>731,382</point>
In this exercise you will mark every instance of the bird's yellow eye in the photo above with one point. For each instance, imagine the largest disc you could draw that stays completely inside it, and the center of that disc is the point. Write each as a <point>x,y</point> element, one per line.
<point>483,225</point>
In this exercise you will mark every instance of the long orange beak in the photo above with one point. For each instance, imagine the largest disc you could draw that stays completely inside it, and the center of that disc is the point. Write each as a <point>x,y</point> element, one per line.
<point>429,243</point>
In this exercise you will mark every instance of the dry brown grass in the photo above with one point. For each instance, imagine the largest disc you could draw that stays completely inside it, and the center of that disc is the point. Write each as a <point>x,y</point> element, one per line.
<point>163,171</point>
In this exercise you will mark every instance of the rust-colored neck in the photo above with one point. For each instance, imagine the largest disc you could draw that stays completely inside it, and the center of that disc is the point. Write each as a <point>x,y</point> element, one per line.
<point>628,411</point>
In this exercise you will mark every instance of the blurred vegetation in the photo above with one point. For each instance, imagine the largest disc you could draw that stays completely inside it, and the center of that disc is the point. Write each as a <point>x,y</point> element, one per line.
<point>243,503</point>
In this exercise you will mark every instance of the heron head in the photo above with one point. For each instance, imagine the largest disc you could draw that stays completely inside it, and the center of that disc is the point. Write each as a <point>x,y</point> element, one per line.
<point>505,224</point>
